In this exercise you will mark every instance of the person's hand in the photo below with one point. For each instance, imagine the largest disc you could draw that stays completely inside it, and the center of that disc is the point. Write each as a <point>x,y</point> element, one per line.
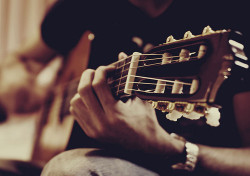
<point>22,89</point>
<point>132,124</point>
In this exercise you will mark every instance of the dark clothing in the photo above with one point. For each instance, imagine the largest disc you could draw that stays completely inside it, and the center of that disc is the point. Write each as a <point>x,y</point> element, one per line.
<point>115,25</point>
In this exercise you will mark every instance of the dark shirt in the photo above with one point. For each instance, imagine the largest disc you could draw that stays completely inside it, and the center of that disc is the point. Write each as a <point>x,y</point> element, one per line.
<point>115,25</point>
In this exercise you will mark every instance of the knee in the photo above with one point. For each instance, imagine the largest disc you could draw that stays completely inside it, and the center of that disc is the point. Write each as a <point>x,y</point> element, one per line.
<point>89,162</point>
<point>69,163</point>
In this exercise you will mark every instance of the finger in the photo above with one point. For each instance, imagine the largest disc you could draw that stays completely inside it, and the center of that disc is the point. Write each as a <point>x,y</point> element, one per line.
<point>88,95</point>
<point>101,87</point>
<point>82,115</point>
<point>76,102</point>
<point>86,128</point>
<point>122,55</point>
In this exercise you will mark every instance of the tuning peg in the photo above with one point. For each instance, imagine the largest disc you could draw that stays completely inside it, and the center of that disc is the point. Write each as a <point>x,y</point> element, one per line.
<point>207,30</point>
<point>170,39</point>
<point>213,116</point>
<point>189,108</point>
<point>185,53</point>
<point>174,115</point>
<point>188,35</point>
<point>160,105</point>
<point>193,116</point>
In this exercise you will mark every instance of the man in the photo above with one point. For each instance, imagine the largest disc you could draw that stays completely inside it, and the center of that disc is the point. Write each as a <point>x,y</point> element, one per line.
<point>132,125</point>
<point>132,26</point>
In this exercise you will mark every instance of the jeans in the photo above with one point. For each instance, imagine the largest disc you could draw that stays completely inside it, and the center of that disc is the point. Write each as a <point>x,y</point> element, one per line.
<point>97,162</point>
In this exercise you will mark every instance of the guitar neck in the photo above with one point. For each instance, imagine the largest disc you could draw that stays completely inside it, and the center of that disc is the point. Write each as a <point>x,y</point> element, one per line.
<point>121,80</point>
<point>188,70</point>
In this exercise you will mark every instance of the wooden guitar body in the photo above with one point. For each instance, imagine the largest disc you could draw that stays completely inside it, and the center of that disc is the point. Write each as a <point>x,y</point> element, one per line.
<point>55,124</point>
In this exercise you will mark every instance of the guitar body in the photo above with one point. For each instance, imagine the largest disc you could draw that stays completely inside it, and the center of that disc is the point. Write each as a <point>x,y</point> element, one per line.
<point>55,124</point>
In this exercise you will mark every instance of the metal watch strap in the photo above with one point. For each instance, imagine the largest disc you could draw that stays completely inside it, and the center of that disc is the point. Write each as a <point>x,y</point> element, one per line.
<point>192,151</point>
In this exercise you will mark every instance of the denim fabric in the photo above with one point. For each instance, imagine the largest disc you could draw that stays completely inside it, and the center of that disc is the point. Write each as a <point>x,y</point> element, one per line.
<point>93,162</point>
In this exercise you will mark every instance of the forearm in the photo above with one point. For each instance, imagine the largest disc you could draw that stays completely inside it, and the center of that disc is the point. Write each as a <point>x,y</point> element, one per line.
<point>215,160</point>
<point>224,161</point>
<point>231,161</point>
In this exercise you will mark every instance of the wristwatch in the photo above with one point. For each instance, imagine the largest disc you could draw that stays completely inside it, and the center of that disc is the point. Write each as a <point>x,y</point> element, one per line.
<point>191,151</point>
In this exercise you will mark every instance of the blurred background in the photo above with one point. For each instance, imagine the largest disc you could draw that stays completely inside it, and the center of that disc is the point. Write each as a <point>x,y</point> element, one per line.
<point>36,137</point>
<point>19,19</point>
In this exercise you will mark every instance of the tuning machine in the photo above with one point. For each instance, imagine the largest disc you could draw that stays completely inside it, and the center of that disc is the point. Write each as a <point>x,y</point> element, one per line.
<point>170,39</point>
<point>188,35</point>
<point>207,30</point>
<point>192,111</point>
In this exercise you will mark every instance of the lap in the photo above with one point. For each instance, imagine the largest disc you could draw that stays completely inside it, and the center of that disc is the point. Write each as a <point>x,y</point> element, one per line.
<point>95,162</point>
<point>100,162</point>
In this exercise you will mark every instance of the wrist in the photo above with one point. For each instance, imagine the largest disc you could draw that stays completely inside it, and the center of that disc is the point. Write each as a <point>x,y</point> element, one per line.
<point>189,156</point>
<point>180,154</point>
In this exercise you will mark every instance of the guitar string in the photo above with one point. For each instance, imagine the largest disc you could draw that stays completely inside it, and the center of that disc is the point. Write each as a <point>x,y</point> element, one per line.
<point>116,62</point>
<point>138,90</point>
<point>167,81</point>
<point>123,66</point>
<point>143,83</point>
<point>121,90</point>
<point>144,66</point>
<point>156,79</point>
<point>128,63</point>
<point>128,57</point>
<point>159,58</point>
<point>121,72</point>
<point>122,60</point>
<point>112,81</point>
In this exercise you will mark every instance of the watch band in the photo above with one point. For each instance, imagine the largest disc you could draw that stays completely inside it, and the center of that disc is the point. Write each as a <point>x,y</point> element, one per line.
<point>192,151</point>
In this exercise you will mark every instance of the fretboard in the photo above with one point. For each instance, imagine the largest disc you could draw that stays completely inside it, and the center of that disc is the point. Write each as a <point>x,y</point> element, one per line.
<point>122,79</point>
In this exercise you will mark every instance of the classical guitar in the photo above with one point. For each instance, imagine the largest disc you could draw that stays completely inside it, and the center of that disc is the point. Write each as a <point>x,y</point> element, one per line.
<point>182,77</point>
<point>56,122</point>
<point>179,77</point>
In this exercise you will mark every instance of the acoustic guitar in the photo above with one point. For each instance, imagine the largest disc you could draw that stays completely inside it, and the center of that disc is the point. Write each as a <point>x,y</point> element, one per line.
<point>55,124</point>
<point>180,77</point>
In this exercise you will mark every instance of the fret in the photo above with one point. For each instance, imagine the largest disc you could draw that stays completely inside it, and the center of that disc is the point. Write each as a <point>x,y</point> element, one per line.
<point>121,66</point>
<point>118,92</point>
<point>118,80</point>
